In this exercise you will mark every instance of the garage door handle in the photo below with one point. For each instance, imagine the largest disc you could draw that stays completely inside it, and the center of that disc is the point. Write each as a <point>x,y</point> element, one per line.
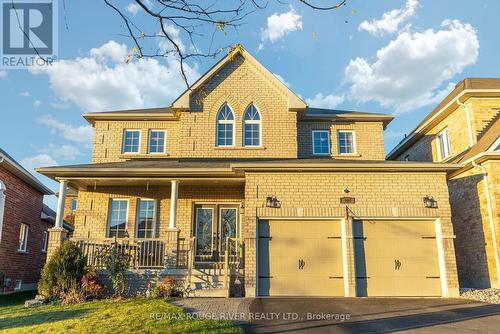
<point>428,237</point>
<point>432,277</point>
<point>362,277</point>
<point>334,237</point>
<point>265,277</point>
<point>336,277</point>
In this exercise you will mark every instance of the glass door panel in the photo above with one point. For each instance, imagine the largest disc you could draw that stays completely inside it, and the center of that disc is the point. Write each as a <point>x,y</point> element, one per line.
<point>204,232</point>
<point>227,218</point>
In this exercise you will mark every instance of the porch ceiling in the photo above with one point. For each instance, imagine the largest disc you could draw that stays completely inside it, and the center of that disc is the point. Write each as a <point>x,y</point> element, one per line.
<point>86,183</point>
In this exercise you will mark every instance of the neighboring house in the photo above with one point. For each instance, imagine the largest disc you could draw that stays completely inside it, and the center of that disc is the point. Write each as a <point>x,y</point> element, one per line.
<point>240,188</point>
<point>465,128</point>
<point>23,226</point>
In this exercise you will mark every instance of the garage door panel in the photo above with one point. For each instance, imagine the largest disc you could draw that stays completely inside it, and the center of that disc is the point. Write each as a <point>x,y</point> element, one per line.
<point>300,258</point>
<point>399,258</point>
<point>301,286</point>
<point>402,286</point>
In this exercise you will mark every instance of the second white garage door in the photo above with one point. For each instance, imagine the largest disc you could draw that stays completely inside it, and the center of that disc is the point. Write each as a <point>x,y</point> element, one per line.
<point>396,258</point>
<point>300,258</point>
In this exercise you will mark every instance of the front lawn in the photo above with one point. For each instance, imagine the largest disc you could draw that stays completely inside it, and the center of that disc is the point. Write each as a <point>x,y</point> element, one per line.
<point>104,316</point>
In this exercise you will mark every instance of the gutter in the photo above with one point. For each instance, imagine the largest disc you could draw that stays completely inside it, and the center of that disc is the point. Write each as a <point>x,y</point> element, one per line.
<point>469,122</point>
<point>26,176</point>
<point>491,218</point>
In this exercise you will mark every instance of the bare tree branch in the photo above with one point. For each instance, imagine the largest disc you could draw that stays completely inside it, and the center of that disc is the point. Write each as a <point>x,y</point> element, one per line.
<point>194,18</point>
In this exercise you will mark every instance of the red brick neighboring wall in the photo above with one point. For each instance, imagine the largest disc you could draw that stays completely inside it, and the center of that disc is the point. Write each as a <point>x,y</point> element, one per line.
<point>23,204</point>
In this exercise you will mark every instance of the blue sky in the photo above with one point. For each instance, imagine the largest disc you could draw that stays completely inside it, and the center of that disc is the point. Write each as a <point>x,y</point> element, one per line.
<point>392,56</point>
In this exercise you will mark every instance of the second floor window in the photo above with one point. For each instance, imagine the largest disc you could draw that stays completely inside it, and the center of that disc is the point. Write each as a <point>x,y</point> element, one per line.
<point>117,226</point>
<point>346,142</point>
<point>225,126</point>
<point>157,139</point>
<point>146,218</point>
<point>74,202</point>
<point>23,237</point>
<point>443,145</point>
<point>251,127</point>
<point>321,142</point>
<point>131,141</point>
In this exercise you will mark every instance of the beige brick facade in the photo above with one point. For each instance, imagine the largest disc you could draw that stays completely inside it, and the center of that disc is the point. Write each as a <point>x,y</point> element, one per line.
<point>475,209</point>
<point>380,192</point>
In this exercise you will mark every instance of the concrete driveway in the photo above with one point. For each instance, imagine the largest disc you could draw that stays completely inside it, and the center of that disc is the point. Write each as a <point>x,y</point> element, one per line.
<point>371,315</point>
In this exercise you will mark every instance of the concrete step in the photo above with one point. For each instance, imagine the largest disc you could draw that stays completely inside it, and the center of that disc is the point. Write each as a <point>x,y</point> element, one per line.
<point>219,292</point>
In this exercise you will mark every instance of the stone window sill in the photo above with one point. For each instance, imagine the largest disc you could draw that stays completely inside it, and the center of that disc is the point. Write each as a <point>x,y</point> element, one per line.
<point>236,148</point>
<point>350,155</point>
<point>144,156</point>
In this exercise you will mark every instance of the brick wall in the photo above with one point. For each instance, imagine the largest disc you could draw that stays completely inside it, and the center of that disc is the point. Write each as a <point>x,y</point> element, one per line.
<point>238,84</point>
<point>93,206</point>
<point>23,204</point>
<point>396,195</point>
<point>369,139</point>
<point>474,243</point>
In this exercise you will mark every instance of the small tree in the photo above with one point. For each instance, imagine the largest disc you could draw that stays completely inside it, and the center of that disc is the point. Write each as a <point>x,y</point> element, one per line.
<point>66,266</point>
<point>116,263</point>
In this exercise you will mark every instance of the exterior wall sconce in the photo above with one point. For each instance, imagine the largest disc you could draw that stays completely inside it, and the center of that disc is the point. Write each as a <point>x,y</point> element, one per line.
<point>430,202</point>
<point>272,202</point>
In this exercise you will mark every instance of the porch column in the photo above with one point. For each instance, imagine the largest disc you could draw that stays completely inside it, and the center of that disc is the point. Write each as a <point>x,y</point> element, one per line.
<point>174,194</point>
<point>58,234</point>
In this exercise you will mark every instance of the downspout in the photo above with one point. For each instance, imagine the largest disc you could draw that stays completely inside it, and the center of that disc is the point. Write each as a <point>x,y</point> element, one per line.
<point>469,122</point>
<point>490,216</point>
<point>2,202</point>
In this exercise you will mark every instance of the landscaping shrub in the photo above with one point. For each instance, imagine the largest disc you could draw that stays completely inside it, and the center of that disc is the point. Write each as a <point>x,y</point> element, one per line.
<point>116,263</point>
<point>74,295</point>
<point>91,287</point>
<point>170,287</point>
<point>66,266</point>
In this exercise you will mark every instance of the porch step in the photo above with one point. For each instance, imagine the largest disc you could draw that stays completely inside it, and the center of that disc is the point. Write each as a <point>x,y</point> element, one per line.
<point>219,292</point>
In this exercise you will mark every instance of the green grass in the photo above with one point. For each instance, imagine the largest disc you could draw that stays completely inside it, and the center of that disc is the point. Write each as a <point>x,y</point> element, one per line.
<point>103,316</point>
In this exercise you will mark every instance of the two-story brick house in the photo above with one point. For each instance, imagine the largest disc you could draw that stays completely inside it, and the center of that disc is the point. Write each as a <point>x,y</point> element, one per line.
<point>24,225</point>
<point>239,187</point>
<point>465,128</point>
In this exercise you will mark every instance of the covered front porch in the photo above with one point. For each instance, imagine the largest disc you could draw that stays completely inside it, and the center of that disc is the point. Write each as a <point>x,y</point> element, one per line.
<point>184,226</point>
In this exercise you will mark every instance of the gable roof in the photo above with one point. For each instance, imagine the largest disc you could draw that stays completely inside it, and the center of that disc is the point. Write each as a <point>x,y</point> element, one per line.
<point>14,167</point>
<point>477,87</point>
<point>182,102</point>
<point>488,138</point>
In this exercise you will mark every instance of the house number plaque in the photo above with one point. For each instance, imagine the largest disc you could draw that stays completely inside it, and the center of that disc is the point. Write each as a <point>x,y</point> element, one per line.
<point>347,200</point>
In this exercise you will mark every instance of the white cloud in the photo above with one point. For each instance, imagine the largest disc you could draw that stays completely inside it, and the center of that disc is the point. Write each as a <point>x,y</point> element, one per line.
<point>79,134</point>
<point>325,101</point>
<point>410,71</point>
<point>37,103</point>
<point>390,21</point>
<point>40,160</point>
<point>279,25</point>
<point>286,83</point>
<point>66,152</point>
<point>25,94</point>
<point>3,74</point>
<point>174,33</point>
<point>103,81</point>
<point>133,8</point>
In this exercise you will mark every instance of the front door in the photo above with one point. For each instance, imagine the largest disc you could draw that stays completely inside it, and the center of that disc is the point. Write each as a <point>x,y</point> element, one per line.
<point>213,224</point>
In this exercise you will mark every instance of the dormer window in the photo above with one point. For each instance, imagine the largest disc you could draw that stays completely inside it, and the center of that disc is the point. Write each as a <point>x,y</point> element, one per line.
<point>251,127</point>
<point>225,126</point>
<point>443,145</point>
<point>321,142</point>
<point>346,142</point>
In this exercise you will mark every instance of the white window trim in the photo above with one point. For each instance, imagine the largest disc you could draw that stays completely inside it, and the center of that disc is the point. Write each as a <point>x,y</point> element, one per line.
<point>123,141</point>
<point>164,141</point>
<point>155,217</point>
<point>22,247</point>
<point>45,241</point>
<point>225,121</point>
<point>355,147</point>
<point>438,144</point>
<point>259,122</point>
<point>18,285</point>
<point>3,188</point>
<point>109,215</point>
<point>329,143</point>
<point>495,144</point>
